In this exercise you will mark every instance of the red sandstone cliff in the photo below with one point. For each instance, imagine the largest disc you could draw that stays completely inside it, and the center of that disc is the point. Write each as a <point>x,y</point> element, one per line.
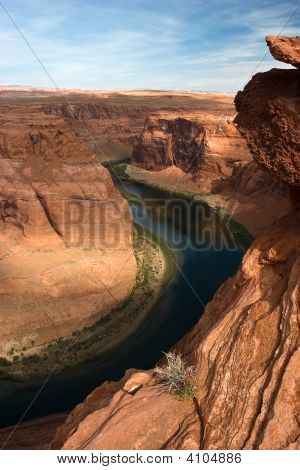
<point>265,111</point>
<point>204,144</point>
<point>246,344</point>
<point>245,348</point>
<point>109,129</point>
<point>110,124</point>
<point>65,232</point>
<point>203,151</point>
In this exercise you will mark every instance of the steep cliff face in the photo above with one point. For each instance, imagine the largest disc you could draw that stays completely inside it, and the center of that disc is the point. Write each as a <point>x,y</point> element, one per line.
<point>250,180</point>
<point>65,232</point>
<point>108,129</point>
<point>244,190</point>
<point>170,141</point>
<point>203,151</point>
<point>109,124</point>
<point>194,142</point>
<point>245,346</point>
<point>246,350</point>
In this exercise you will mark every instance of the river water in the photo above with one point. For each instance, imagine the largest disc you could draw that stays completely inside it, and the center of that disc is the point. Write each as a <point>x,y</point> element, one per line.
<point>205,256</point>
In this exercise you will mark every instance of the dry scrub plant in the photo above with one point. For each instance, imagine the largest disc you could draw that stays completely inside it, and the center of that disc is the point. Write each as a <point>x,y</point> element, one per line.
<point>176,378</point>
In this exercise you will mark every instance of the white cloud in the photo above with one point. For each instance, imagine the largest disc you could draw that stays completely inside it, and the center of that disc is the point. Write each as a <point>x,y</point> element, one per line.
<point>149,47</point>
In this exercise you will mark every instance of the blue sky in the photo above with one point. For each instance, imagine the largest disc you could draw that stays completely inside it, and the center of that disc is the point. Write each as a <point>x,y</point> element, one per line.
<point>172,44</point>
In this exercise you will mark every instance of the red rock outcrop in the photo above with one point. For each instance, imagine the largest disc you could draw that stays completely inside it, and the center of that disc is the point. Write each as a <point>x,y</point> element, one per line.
<point>65,232</point>
<point>246,350</point>
<point>246,344</point>
<point>243,192</point>
<point>269,104</point>
<point>201,143</point>
<point>285,49</point>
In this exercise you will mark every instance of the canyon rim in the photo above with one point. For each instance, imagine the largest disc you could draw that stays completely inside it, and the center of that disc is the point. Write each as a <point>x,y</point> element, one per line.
<point>114,336</point>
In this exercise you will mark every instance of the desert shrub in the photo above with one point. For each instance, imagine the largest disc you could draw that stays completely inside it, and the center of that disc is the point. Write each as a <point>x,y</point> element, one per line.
<point>119,171</point>
<point>176,377</point>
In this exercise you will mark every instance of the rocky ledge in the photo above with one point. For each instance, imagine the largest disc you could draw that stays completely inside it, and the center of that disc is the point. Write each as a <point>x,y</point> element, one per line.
<point>285,49</point>
<point>245,347</point>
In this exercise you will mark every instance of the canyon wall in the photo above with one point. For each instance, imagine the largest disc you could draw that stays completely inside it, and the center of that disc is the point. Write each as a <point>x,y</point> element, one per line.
<point>110,124</point>
<point>202,151</point>
<point>65,232</point>
<point>108,129</point>
<point>246,344</point>
<point>203,144</point>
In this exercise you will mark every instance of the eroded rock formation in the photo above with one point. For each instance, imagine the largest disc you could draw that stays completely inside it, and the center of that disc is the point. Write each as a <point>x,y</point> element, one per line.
<point>65,232</point>
<point>202,144</point>
<point>204,152</point>
<point>246,344</point>
<point>264,111</point>
<point>245,347</point>
<point>285,49</point>
<point>57,259</point>
<point>108,129</point>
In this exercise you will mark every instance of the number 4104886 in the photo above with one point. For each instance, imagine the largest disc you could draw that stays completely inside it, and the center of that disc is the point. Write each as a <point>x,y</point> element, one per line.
<point>217,457</point>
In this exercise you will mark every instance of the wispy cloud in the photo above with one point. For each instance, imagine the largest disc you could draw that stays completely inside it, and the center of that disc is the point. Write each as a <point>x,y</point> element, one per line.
<point>194,44</point>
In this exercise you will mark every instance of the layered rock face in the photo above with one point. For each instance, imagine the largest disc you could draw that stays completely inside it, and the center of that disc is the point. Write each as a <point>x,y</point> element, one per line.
<point>108,129</point>
<point>197,143</point>
<point>65,232</point>
<point>170,141</point>
<point>109,124</point>
<point>245,346</point>
<point>243,192</point>
<point>203,151</point>
<point>248,361</point>
<point>250,180</point>
<point>33,433</point>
